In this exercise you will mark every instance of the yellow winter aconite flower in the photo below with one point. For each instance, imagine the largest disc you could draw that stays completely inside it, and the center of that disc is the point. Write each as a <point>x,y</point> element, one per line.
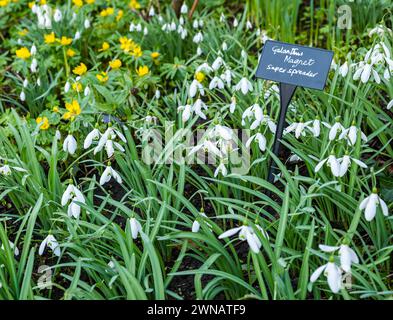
<point>55,109</point>
<point>73,108</point>
<point>78,3</point>
<point>200,76</point>
<point>105,46</point>
<point>3,3</point>
<point>107,12</point>
<point>90,1</point>
<point>134,4</point>
<point>102,77</point>
<point>31,4</point>
<point>44,121</point>
<point>115,64</point>
<point>23,32</point>
<point>64,41</point>
<point>77,86</point>
<point>142,70</point>
<point>155,55</point>
<point>23,53</point>
<point>119,15</point>
<point>42,2</point>
<point>126,44</point>
<point>80,70</point>
<point>70,52</point>
<point>50,38</point>
<point>137,52</point>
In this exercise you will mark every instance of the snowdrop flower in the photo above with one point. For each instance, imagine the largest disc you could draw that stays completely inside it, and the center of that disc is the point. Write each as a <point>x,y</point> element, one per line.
<point>86,92</point>
<point>294,158</point>
<point>152,12</point>
<point>260,138</point>
<point>232,106</point>
<point>299,128</point>
<point>72,193</point>
<point>235,23</point>
<point>332,162</point>
<point>351,134</point>
<point>196,224</point>
<point>12,246</point>
<point>25,83</point>
<point>244,85</point>
<point>69,144</point>
<point>38,82</point>
<point>5,169</point>
<point>204,67</point>
<point>379,30</point>
<point>244,54</point>
<point>184,9</point>
<point>221,168</point>
<point>187,112</point>
<point>57,16</point>
<point>254,111</point>
<point>222,132</point>
<point>145,31</point>
<point>52,243</point>
<point>248,25</point>
<point>58,135</point>
<point>333,274</point>
<point>227,77</point>
<point>33,50</point>
<point>390,105</point>
<point>67,87</point>
<point>139,27</point>
<point>136,228</point>
<point>370,204</point>
<point>334,130</point>
<point>22,96</point>
<point>365,71</point>
<point>245,233</point>
<point>224,46</point>
<point>197,108</point>
<point>48,21</point>
<point>343,70</point>
<point>316,127</point>
<point>199,51</point>
<point>347,255</point>
<point>208,147</point>
<point>346,162</point>
<point>33,66</point>
<point>216,82</point>
<point>77,36</point>
<point>195,87</point>
<point>181,20</point>
<point>222,17</point>
<point>198,38</point>
<point>86,23</point>
<point>195,24</point>
<point>108,173</point>
<point>93,135</point>
<point>217,63</point>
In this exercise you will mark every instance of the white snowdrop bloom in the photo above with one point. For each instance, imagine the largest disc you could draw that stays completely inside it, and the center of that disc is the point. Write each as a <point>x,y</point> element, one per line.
<point>151,119</point>
<point>232,106</point>
<point>379,30</point>
<point>184,9</point>
<point>33,50</point>
<point>260,138</point>
<point>186,112</point>
<point>299,128</point>
<point>138,27</point>
<point>72,193</point>
<point>181,20</point>
<point>224,46</point>
<point>107,175</point>
<point>198,38</point>
<point>25,83</point>
<point>350,134</point>
<point>221,168</point>
<point>331,162</point>
<point>38,82</point>
<point>248,25</point>
<point>145,31</point>
<point>110,146</point>
<point>387,73</point>
<point>5,169</point>
<point>316,127</point>
<point>346,162</point>
<point>294,158</point>
<point>67,87</point>
<point>57,16</point>
<point>20,42</point>
<point>34,8</point>
<point>132,27</point>
<point>135,227</point>
<point>272,91</point>
<point>164,27</point>
<point>195,24</point>
<point>33,66</point>
<point>365,71</point>
<point>216,82</point>
<point>172,26</point>
<point>86,92</point>
<point>343,70</point>
<point>335,129</point>
<point>333,274</point>
<point>183,35</point>
<point>333,65</point>
<point>370,204</point>
<point>77,35</point>
<point>204,67</point>
<point>243,54</point>
<point>157,94</point>
<point>86,23</point>
<point>245,233</point>
<point>195,87</point>
<point>199,51</point>
<point>48,22</point>
<point>93,135</point>
<point>22,96</point>
<point>52,243</point>
<point>152,12</point>
<point>254,111</point>
<point>58,135</point>
<point>390,105</point>
<point>227,77</point>
<point>235,23</point>
<point>160,18</point>
<point>197,108</point>
<point>222,132</point>
<point>13,247</point>
<point>41,21</point>
<point>69,144</point>
<point>347,255</point>
<point>217,63</point>
<point>244,86</point>
<point>208,147</point>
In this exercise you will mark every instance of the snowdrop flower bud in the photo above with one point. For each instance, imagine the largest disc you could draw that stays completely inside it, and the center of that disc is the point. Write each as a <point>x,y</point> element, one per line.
<point>232,106</point>
<point>136,228</point>
<point>33,50</point>
<point>248,25</point>
<point>370,204</point>
<point>25,83</point>
<point>22,96</point>
<point>173,26</point>
<point>86,23</point>
<point>181,20</point>
<point>157,94</point>
<point>77,35</point>
<point>343,70</point>
<point>52,243</point>
<point>38,82</point>
<point>224,46</point>
<point>33,66</point>
<point>235,23</point>
<point>67,87</point>
<point>152,12</point>
<point>69,144</point>
<point>199,51</point>
<point>86,91</point>
<point>184,9</point>
<point>201,23</point>
<point>57,16</point>
<point>138,27</point>
<point>195,24</point>
<point>222,17</point>
<point>145,31</point>
<point>20,41</point>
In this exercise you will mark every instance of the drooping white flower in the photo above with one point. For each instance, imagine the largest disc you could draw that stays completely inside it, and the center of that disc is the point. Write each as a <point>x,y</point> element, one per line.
<point>345,163</point>
<point>107,141</point>
<point>67,87</point>
<point>86,23</point>
<point>224,46</point>
<point>199,51</point>
<point>197,108</point>
<point>208,146</point>
<point>260,138</point>
<point>70,144</point>
<point>221,168</point>
<point>347,255</point>
<point>195,87</point>
<point>198,38</point>
<point>77,35</point>
<point>335,129</point>
<point>72,194</point>
<point>52,243</point>
<point>332,162</point>
<point>196,225</point>
<point>183,9</point>
<point>299,128</point>
<point>390,105</point>
<point>343,70</point>
<point>370,204</point>
<point>350,134</point>
<point>12,246</point>
<point>244,86</point>
<point>152,12</point>
<point>108,173</point>
<point>93,135</point>
<point>248,25</point>
<point>86,92</point>
<point>186,112</point>
<point>33,50</point>
<point>217,63</point>
<point>245,233</point>
<point>34,65</point>
<point>216,82</point>
<point>25,83</point>
<point>22,96</point>
<point>333,274</point>
<point>316,127</point>
<point>235,23</point>
<point>227,77</point>
<point>232,105</point>
<point>136,227</point>
<point>57,16</point>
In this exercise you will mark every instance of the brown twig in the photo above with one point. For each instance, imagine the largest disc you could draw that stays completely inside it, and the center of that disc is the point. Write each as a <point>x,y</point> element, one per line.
<point>176,5</point>
<point>194,5</point>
